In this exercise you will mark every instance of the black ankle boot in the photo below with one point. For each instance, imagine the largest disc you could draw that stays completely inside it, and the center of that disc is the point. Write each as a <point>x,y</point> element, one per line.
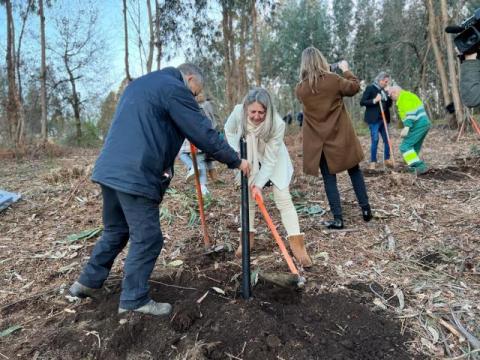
<point>367,213</point>
<point>335,224</point>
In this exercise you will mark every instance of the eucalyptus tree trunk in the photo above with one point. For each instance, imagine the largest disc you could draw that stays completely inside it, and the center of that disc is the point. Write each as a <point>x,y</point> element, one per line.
<point>436,51</point>
<point>151,41</point>
<point>452,67</point>
<point>43,74</point>
<point>125,26</point>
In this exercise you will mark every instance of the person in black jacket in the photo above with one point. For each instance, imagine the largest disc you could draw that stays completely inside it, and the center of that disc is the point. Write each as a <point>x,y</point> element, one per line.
<point>153,117</point>
<point>374,93</point>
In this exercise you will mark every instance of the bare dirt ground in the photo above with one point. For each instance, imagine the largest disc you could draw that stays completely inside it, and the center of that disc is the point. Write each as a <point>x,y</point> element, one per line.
<point>406,285</point>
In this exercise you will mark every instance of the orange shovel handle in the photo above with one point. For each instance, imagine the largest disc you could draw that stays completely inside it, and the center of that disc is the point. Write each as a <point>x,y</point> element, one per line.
<point>206,238</point>
<point>275,234</point>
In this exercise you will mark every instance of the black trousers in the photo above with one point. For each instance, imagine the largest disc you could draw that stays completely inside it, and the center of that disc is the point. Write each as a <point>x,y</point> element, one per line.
<point>331,188</point>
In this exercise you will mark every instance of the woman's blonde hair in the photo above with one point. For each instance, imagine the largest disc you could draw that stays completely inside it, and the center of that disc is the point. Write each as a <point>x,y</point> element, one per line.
<point>313,66</point>
<point>261,96</point>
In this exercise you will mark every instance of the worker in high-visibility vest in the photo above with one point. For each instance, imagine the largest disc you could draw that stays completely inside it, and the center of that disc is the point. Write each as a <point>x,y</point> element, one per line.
<point>416,125</point>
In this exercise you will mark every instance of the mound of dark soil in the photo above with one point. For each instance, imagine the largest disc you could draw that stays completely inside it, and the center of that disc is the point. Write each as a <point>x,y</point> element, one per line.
<point>275,324</point>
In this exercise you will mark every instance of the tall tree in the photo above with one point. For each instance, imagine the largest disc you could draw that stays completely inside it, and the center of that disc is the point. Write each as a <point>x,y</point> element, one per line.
<point>365,50</point>
<point>43,73</point>
<point>78,47</point>
<point>452,66</point>
<point>151,33</point>
<point>24,16</point>
<point>342,21</point>
<point>256,45</point>
<point>14,106</point>
<point>432,32</point>
<point>125,29</point>
<point>167,25</point>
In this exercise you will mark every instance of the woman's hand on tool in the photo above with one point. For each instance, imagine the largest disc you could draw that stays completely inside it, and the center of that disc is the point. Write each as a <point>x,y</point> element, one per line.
<point>377,98</point>
<point>245,167</point>
<point>255,190</point>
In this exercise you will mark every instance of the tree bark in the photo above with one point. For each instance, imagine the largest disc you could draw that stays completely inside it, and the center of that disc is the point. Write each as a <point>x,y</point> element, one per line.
<point>16,120</point>
<point>18,58</point>
<point>436,51</point>
<point>74,99</point>
<point>125,26</point>
<point>256,46</point>
<point>151,42</point>
<point>242,60</point>
<point>228,52</point>
<point>43,74</point>
<point>158,41</point>
<point>452,67</point>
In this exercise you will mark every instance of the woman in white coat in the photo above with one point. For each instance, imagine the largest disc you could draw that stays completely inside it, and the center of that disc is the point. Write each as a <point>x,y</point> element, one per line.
<point>257,120</point>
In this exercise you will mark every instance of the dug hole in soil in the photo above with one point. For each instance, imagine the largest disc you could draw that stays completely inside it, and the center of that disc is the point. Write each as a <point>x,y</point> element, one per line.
<point>277,323</point>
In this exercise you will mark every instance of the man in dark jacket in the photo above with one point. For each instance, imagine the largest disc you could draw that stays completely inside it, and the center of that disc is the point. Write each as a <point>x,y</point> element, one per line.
<point>470,80</point>
<point>153,117</point>
<point>373,94</point>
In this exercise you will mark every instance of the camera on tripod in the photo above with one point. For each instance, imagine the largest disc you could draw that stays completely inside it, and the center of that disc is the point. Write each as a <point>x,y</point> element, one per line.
<point>468,39</point>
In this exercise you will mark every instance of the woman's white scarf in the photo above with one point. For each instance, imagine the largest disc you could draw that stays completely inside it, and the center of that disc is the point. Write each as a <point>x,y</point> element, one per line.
<point>255,148</point>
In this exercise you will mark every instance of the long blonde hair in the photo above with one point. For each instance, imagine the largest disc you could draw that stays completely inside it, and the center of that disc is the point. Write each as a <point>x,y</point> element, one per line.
<point>313,66</point>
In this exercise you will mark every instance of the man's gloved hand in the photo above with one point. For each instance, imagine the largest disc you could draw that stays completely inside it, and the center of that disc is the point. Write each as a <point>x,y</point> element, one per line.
<point>405,131</point>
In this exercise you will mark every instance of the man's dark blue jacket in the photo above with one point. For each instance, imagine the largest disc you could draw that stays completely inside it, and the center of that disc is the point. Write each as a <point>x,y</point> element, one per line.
<point>154,115</point>
<point>372,111</point>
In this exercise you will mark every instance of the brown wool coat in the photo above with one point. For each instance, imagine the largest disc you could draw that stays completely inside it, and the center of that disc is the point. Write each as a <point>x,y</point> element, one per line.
<point>326,125</point>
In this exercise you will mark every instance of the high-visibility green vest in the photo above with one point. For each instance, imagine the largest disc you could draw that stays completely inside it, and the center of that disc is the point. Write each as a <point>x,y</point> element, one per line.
<point>410,108</point>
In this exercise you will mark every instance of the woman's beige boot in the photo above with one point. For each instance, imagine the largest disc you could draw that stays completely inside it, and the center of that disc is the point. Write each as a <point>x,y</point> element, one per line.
<point>297,245</point>
<point>251,239</point>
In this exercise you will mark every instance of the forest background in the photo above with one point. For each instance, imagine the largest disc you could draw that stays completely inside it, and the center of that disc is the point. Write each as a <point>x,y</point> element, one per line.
<point>63,64</point>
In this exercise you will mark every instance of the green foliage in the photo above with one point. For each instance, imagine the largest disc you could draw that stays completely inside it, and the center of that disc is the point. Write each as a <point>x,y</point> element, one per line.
<point>107,110</point>
<point>298,26</point>
<point>343,25</point>
<point>83,235</point>
<point>474,151</point>
<point>90,135</point>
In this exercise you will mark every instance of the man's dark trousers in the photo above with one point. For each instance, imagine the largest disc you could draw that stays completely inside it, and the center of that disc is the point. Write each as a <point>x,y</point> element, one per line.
<point>126,216</point>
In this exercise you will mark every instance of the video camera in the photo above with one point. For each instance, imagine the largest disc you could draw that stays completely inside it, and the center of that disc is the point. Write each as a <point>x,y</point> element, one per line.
<point>468,39</point>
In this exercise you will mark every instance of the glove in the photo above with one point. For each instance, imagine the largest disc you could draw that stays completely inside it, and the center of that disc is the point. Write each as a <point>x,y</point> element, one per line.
<point>405,131</point>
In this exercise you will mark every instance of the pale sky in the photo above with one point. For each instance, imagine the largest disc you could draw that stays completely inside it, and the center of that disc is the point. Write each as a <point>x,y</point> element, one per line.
<point>110,26</point>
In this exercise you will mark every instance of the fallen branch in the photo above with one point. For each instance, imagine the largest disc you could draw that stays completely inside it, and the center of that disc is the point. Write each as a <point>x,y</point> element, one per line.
<point>390,239</point>
<point>452,329</point>
<point>471,339</point>
<point>464,355</point>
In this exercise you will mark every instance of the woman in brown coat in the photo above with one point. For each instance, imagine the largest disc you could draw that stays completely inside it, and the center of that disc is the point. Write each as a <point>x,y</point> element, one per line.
<point>329,140</point>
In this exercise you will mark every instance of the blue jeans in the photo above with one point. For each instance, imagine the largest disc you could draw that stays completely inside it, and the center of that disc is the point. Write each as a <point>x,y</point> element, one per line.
<point>331,188</point>
<point>376,129</point>
<point>126,217</point>
<point>203,165</point>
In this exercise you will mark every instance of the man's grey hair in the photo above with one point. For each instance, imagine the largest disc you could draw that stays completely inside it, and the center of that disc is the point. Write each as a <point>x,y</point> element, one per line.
<point>394,89</point>
<point>381,76</point>
<point>192,69</point>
